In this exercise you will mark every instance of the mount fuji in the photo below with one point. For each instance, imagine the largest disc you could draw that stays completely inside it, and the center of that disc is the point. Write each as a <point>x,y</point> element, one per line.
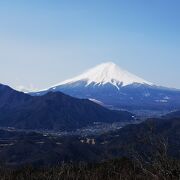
<point>113,87</point>
<point>106,73</point>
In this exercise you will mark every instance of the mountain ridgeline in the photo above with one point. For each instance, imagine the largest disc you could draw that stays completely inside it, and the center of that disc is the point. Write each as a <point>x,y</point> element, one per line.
<point>52,111</point>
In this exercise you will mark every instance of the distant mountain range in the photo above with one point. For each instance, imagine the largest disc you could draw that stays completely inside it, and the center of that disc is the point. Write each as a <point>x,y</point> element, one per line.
<point>52,111</point>
<point>113,87</point>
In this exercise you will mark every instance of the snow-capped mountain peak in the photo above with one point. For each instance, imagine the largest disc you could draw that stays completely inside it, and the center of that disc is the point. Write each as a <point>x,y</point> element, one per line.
<point>104,85</point>
<point>107,73</point>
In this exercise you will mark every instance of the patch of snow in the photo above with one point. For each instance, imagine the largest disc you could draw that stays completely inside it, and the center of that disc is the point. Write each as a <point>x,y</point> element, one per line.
<point>96,101</point>
<point>162,101</point>
<point>166,97</point>
<point>147,94</point>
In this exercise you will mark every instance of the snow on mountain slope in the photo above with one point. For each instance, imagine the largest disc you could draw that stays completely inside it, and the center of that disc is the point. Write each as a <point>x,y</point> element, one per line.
<point>106,73</point>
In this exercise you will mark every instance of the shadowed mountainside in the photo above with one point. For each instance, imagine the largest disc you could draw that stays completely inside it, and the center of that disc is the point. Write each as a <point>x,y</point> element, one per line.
<point>53,111</point>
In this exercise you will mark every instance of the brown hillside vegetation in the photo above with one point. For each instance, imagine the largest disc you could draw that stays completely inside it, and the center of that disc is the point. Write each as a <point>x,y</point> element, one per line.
<point>122,169</point>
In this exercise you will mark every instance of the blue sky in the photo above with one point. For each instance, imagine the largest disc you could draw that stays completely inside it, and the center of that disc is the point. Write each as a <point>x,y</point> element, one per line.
<point>43,42</point>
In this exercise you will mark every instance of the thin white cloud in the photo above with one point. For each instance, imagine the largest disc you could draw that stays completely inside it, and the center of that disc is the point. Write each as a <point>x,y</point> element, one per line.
<point>26,89</point>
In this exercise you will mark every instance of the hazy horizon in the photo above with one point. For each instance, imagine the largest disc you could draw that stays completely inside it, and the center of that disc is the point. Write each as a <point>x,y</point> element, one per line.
<point>44,42</point>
